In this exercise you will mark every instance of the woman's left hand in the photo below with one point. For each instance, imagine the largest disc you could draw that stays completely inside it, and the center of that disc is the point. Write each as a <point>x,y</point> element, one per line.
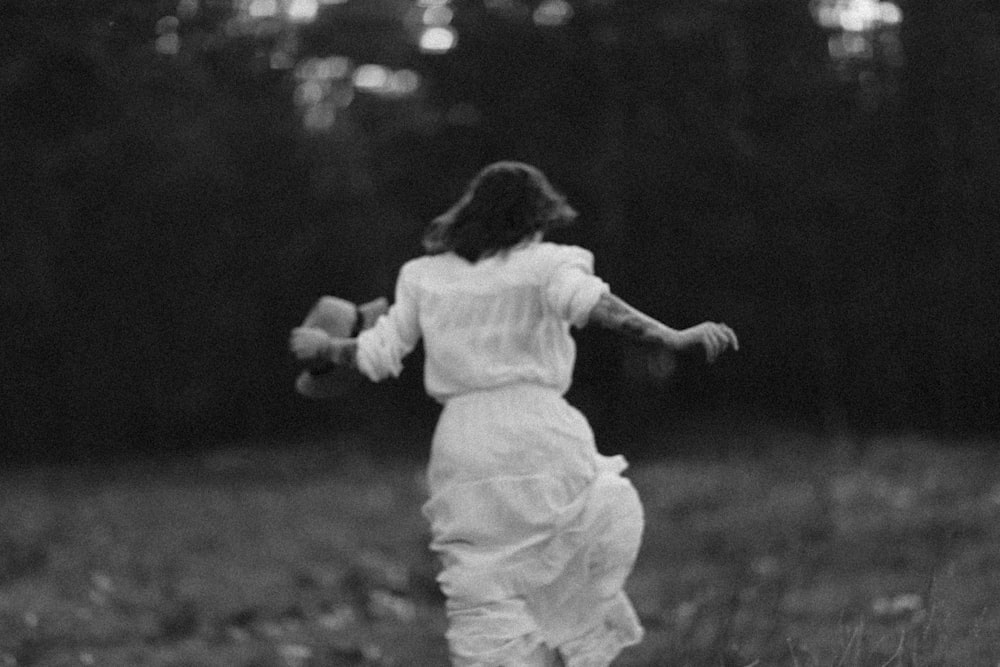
<point>714,337</point>
<point>308,343</point>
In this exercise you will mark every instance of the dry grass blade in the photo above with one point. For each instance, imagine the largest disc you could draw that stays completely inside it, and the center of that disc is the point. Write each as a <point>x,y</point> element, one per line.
<point>850,643</point>
<point>899,650</point>
<point>791,649</point>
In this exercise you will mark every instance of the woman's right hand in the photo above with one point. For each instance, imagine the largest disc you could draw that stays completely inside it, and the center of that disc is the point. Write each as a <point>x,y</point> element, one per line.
<point>714,337</point>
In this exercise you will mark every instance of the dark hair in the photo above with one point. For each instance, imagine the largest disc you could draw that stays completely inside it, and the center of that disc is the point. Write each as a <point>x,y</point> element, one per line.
<point>505,204</point>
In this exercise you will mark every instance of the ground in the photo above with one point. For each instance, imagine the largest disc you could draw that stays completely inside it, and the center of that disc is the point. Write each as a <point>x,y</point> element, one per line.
<point>781,550</point>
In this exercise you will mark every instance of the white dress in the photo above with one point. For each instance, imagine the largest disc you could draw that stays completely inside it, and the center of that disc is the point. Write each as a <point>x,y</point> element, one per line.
<point>536,530</point>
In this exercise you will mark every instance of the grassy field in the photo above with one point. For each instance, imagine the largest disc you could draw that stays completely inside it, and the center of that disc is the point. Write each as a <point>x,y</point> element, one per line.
<point>805,553</point>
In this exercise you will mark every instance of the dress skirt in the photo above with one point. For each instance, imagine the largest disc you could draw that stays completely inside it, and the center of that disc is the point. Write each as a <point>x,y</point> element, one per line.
<point>535,529</point>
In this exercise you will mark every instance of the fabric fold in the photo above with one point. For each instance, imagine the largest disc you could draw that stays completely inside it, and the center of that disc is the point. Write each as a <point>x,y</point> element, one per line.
<point>526,555</point>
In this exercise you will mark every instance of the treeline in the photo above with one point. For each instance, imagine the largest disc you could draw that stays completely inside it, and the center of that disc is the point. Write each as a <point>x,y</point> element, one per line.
<point>165,220</point>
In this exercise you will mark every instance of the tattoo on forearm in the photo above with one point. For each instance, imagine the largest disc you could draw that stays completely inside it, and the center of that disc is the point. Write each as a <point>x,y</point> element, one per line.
<point>613,313</point>
<point>635,327</point>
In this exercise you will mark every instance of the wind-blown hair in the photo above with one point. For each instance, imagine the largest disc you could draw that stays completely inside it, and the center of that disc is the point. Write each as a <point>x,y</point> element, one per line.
<point>505,204</point>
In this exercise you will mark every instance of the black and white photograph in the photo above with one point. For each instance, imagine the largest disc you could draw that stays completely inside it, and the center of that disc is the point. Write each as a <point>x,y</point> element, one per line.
<point>499,333</point>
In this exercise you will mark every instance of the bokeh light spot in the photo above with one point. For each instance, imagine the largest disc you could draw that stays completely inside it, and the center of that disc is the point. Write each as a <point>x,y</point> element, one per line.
<point>262,8</point>
<point>320,117</point>
<point>310,93</point>
<point>553,13</point>
<point>332,67</point>
<point>438,15</point>
<point>303,11</point>
<point>169,44</point>
<point>856,15</point>
<point>371,77</point>
<point>859,17</point>
<point>890,13</point>
<point>335,67</point>
<point>438,39</point>
<point>187,9</point>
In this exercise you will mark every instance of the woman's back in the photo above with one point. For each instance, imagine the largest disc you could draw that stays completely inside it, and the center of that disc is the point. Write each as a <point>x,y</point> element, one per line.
<point>499,321</point>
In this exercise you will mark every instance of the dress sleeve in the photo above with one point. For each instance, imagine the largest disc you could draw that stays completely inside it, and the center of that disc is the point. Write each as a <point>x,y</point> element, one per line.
<point>572,290</point>
<point>381,348</point>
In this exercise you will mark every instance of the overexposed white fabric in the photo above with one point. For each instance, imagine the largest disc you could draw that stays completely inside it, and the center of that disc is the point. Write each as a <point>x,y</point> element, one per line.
<point>501,320</point>
<point>535,529</point>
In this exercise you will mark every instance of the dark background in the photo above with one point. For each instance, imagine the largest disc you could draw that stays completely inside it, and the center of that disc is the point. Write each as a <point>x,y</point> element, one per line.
<point>173,198</point>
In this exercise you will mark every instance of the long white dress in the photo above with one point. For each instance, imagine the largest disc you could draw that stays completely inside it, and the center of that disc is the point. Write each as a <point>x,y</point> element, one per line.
<point>536,530</point>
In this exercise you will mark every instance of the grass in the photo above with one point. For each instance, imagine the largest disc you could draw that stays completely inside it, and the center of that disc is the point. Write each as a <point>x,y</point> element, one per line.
<point>832,554</point>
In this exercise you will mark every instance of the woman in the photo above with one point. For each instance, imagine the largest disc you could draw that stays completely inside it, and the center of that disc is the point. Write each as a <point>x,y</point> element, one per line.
<point>536,530</point>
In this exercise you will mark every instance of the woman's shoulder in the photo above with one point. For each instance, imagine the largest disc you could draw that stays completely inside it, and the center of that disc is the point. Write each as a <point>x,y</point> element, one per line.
<point>427,267</point>
<point>548,256</point>
<point>564,251</point>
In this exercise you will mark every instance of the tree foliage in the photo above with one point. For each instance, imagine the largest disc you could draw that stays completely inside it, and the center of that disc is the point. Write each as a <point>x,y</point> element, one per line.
<point>167,218</point>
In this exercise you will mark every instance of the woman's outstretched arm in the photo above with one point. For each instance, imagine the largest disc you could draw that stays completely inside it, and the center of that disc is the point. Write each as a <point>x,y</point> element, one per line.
<point>611,312</point>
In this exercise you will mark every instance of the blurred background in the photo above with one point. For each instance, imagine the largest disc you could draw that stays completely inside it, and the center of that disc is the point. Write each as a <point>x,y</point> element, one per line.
<point>181,179</point>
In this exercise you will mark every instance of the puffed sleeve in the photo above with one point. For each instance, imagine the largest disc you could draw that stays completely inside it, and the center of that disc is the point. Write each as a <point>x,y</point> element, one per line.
<point>572,290</point>
<point>381,348</point>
